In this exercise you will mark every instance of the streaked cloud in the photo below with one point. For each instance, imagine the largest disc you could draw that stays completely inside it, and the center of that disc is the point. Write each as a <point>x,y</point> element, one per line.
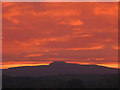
<point>74,32</point>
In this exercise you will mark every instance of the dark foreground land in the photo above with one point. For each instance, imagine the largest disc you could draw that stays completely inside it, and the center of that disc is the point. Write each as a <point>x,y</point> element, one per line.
<point>60,75</point>
<point>62,81</point>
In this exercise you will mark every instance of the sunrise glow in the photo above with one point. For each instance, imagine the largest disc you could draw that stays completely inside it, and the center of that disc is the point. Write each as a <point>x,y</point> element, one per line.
<point>40,33</point>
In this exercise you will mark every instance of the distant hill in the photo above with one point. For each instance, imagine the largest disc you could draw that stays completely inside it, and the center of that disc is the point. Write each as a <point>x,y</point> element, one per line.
<point>58,68</point>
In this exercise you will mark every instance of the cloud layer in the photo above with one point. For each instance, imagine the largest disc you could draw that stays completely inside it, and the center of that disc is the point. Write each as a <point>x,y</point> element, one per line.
<point>76,32</point>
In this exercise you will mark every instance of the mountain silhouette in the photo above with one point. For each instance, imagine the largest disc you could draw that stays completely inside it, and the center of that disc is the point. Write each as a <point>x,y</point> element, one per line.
<point>58,68</point>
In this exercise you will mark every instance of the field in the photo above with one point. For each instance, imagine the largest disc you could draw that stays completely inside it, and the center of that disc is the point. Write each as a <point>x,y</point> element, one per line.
<point>62,81</point>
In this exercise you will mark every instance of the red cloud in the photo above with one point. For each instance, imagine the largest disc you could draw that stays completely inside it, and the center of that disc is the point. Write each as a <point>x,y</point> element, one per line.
<point>72,31</point>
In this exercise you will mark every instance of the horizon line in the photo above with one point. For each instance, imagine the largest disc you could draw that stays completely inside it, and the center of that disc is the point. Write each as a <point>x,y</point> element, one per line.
<point>30,65</point>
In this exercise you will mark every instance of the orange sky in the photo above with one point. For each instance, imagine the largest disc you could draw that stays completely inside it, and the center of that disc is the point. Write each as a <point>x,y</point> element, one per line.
<point>39,33</point>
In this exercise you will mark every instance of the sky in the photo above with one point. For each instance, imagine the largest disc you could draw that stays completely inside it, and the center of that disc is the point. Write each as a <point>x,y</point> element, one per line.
<point>60,0</point>
<point>42,32</point>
